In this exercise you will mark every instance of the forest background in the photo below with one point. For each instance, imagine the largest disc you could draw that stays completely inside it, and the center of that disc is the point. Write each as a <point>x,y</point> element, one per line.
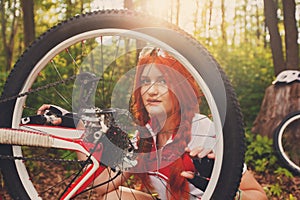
<point>236,32</point>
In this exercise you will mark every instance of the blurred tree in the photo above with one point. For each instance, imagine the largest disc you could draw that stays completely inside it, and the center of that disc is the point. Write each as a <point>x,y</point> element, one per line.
<point>28,21</point>
<point>291,35</point>
<point>245,21</point>
<point>209,24</point>
<point>177,12</point>
<point>275,38</point>
<point>233,31</point>
<point>128,4</point>
<point>9,25</point>
<point>196,17</point>
<point>279,100</point>
<point>223,23</point>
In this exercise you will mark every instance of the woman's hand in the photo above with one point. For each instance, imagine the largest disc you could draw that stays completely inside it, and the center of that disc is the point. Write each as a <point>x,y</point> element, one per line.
<point>203,162</point>
<point>200,152</point>
<point>58,115</point>
<point>249,187</point>
<point>44,110</point>
<point>194,153</point>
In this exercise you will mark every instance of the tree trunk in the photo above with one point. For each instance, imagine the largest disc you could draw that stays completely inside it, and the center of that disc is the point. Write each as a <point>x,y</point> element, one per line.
<point>71,7</point>
<point>8,34</point>
<point>279,100</point>
<point>235,27</point>
<point>209,26</point>
<point>245,40</point>
<point>128,4</point>
<point>177,12</point>
<point>196,17</point>
<point>290,27</point>
<point>270,9</point>
<point>223,23</point>
<point>203,23</point>
<point>258,29</point>
<point>28,21</point>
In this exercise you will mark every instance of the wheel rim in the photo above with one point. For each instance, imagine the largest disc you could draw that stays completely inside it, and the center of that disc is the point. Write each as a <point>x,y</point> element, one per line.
<point>78,39</point>
<point>287,142</point>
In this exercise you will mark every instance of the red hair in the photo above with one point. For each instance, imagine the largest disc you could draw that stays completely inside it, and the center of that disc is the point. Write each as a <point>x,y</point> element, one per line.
<point>185,95</point>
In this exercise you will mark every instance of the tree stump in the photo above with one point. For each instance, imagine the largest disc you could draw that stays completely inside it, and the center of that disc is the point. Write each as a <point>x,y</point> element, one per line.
<point>279,100</point>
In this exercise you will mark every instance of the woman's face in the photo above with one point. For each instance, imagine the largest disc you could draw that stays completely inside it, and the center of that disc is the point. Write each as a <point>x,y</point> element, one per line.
<point>155,92</point>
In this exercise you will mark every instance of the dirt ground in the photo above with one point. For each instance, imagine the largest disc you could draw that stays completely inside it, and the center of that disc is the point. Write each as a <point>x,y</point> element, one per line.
<point>288,186</point>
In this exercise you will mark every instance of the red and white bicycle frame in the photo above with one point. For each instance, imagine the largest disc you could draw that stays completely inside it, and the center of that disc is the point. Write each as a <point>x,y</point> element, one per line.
<point>60,138</point>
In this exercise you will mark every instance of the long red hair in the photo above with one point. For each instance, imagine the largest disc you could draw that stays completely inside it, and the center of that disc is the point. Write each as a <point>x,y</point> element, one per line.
<point>185,95</point>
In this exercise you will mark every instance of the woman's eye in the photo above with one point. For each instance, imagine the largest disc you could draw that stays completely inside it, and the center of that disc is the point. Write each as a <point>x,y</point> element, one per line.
<point>162,81</point>
<point>157,82</point>
<point>145,82</point>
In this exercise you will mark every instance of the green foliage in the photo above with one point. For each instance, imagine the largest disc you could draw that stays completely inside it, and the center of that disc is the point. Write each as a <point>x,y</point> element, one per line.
<point>274,190</point>
<point>260,155</point>
<point>283,171</point>
<point>49,13</point>
<point>250,71</point>
<point>3,77</point>
<point>248,65</point>
<point>280,189</point>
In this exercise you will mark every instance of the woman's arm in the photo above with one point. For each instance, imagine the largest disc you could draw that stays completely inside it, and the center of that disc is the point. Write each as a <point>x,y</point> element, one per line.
<point>110,188</point>
<point>126,193</point>
<point>250,189</point>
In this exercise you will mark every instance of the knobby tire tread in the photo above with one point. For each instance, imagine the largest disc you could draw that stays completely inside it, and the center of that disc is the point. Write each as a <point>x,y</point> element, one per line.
<point>233,123</point>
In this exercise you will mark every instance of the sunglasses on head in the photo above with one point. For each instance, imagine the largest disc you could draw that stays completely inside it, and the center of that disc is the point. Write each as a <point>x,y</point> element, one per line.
<point>154,51</point>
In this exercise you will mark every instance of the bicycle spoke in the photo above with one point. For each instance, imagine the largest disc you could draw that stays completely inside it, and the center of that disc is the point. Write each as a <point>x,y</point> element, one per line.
<point>104,92</point>
<point>92,73</point>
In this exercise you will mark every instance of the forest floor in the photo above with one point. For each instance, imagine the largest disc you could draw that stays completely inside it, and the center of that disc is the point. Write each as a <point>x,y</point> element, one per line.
<point>282,186</point>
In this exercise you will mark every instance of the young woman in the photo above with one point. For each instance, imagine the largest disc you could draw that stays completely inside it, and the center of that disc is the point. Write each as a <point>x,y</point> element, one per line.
<point>166,102</point>
<point>166,99</point>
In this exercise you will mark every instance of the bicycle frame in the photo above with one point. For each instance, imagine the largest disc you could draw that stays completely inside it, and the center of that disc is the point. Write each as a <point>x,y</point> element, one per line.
<point>100,43</point>
<point>61,138</point>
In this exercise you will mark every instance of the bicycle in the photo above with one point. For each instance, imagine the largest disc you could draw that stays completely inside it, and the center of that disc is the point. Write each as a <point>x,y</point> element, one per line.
<point>286,141</point>
<point>103,44</point>
<point>287,133</point>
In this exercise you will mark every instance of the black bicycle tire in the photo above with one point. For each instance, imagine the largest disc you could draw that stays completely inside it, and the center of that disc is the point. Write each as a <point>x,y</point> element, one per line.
<point>234,144</point>
<point>276,142</point>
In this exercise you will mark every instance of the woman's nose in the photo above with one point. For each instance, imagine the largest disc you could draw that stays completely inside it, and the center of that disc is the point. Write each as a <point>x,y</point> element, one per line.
<point>153,89</point>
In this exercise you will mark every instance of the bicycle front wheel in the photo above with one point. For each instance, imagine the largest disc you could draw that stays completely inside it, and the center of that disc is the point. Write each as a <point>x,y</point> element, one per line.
<point>107,44</point>
<point>286,141</point>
